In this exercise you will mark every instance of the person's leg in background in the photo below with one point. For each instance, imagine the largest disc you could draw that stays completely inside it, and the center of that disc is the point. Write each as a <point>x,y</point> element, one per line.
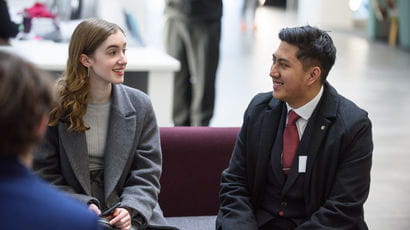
<point>176,47</point>
<point>244,10</point>
<point>205,37</point>
<point>248,14</point>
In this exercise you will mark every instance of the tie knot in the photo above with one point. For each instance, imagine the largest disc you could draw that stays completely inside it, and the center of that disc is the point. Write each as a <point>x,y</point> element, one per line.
<point>292,117</point>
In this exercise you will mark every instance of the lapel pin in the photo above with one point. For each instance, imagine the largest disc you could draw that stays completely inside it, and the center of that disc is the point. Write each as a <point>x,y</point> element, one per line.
<point>322,127</point>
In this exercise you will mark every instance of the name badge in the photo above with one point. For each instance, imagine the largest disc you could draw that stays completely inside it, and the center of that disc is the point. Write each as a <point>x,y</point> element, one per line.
<point>302,164</point>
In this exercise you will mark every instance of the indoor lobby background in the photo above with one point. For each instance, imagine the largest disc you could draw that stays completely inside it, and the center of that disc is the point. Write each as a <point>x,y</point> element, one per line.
<point>368,70</point>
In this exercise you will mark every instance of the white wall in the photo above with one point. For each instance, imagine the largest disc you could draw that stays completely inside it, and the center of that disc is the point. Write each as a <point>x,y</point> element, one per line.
<point>325,13</point>
<point>148,13</point>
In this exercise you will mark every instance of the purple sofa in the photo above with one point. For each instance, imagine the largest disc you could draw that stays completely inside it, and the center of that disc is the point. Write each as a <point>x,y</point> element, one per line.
<point>193,159</point>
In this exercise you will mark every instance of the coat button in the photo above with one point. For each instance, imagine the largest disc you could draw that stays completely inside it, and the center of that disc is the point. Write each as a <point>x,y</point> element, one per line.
<point>281,213</point>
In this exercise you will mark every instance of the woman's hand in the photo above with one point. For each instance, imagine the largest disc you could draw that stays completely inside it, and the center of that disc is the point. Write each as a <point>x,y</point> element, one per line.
<point>94,208</point>
<point>121,219</point>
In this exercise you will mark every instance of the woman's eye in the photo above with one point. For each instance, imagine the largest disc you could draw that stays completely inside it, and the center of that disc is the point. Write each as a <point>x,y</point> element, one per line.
<point>111,52</point>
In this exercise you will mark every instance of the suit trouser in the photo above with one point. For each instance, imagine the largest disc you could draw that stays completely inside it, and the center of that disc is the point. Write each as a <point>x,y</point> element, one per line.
<point>279,224</point>
<point>195,44</point>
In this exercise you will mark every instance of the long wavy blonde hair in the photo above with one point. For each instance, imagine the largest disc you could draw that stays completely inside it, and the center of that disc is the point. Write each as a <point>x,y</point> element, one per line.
<point>74,85</point>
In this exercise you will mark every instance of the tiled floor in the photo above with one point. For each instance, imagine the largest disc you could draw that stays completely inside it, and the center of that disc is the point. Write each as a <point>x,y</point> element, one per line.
<point>372,74</point>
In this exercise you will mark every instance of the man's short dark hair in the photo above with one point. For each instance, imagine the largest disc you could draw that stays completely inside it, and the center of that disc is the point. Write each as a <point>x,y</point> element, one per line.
<point>315,47</point>
<point>25,97</point>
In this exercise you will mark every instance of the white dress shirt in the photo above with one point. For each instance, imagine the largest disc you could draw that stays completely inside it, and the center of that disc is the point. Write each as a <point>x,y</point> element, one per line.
<point>305,112</point>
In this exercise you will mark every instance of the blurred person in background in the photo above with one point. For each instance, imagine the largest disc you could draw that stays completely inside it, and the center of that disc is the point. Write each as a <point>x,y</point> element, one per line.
<point>8,29</point>
<point>248,12</point>
<point>192,36</point>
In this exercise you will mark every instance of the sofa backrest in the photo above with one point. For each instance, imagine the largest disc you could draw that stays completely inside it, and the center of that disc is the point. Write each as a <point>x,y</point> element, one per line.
<point>193,160</point>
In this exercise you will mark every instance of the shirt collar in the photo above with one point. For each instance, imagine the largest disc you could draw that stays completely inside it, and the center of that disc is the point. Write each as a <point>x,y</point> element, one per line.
<point>306,110</point>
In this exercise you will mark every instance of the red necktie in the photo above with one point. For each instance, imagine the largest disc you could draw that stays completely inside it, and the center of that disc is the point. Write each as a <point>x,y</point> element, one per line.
<point>290,141</point>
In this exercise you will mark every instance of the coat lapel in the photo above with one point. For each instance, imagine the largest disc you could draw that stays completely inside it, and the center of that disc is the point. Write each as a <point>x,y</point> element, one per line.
<point>75,146</point>
<point>276,162</point>
<point>326,114</point>
<point>269,126</point>
<point>120,139</point>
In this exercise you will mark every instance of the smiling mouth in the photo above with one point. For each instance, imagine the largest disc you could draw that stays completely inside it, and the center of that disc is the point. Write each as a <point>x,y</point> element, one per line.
<point>119,70</point>
<point>276,83</point>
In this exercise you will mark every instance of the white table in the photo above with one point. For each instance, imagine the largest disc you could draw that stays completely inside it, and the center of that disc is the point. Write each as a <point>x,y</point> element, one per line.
<point>52,56</point>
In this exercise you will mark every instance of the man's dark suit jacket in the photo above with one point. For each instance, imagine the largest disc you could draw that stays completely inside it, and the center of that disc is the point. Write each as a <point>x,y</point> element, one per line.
<point>338,166</point>
<point>27,202</point>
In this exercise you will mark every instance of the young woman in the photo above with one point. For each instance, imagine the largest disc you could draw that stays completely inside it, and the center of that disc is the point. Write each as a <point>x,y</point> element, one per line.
<point>102,145</point>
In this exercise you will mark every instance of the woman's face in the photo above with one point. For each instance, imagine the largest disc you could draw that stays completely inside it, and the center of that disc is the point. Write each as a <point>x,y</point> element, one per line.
<point>108,62</point>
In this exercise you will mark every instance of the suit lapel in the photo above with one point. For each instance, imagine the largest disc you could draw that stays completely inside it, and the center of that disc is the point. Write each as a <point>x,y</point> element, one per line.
<point>120,139</point>
<point>75,147</point>
<point>310,143</point>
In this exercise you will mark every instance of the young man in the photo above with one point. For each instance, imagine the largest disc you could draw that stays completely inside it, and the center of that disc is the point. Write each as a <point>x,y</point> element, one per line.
<point>303,157</point>
<point>26,201</point>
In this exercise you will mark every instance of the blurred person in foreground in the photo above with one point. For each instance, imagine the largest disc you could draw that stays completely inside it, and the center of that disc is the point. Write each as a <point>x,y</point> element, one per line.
<point>27,202</point>
<point>303,157</point>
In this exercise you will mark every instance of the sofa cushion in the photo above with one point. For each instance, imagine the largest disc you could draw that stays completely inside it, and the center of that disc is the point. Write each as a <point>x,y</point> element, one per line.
<point>193,222</point>
<point>193,160</point>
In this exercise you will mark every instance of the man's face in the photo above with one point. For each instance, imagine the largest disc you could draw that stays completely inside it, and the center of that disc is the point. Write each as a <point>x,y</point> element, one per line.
<point>290,80</point>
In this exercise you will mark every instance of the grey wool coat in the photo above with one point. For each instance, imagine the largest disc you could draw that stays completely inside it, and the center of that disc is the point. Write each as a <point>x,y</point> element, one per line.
<point>133,159</point>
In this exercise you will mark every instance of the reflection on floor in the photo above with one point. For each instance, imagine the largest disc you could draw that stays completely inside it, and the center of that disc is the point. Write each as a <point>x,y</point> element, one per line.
<point>372,74</point>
